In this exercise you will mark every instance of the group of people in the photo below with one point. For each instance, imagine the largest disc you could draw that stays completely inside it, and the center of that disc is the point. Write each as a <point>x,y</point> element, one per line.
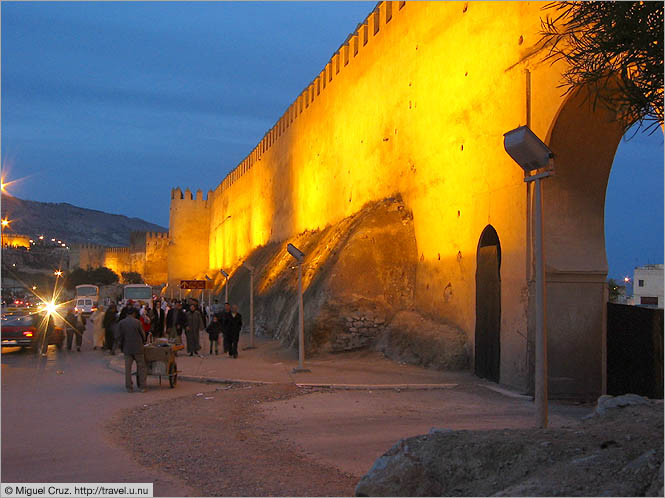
<point>129,329</point>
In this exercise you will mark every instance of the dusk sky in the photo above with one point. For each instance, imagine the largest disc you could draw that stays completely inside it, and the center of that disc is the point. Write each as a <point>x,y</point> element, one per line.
<point>109,105</point>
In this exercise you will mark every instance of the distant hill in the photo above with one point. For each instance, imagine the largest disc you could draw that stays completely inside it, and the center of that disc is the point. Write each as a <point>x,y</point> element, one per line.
<point>71,224</point>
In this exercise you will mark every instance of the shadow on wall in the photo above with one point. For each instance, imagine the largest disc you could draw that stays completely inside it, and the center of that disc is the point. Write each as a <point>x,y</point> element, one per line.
<point>358,281</point>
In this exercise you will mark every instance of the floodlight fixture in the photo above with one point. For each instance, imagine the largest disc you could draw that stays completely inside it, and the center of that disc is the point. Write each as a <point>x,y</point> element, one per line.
<point>531,153</point>
<point>527,149</point>
<point>224,274</point>
<point>295,252</point>
<point>299,256</point>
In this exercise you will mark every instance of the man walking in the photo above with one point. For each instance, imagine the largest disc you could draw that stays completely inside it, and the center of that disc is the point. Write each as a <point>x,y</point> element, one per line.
<point>109,320</point>
<point>132,338</point>
<point>235,324</point>
<point>224,321</point>
<point>193,330</point>
<point>176,322</point>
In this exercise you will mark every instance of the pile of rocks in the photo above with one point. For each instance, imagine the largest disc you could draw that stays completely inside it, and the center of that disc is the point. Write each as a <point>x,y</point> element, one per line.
<point>360,329</point>
<point>617,451</point>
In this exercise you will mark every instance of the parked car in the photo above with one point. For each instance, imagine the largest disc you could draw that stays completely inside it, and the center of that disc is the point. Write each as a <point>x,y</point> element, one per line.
<point>23,329</point>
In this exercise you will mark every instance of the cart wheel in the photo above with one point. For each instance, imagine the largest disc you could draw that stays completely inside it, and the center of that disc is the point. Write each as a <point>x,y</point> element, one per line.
<point>173,375</point>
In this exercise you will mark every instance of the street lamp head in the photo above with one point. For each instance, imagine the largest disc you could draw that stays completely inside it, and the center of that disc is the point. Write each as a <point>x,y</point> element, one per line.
<point>208,278</point>
<point>248,266</point>
<point>295,252</point>
<point>527,149</point>
<point>224,274</point>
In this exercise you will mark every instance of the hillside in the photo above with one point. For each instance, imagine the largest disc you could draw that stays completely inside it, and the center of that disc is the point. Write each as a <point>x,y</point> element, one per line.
<point>71,224</point>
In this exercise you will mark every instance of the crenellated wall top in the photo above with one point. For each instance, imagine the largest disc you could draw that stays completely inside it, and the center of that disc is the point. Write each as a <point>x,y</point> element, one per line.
<point>383,13</point>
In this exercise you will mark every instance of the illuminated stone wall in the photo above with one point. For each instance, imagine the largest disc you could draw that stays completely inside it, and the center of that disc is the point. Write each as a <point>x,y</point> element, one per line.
<point>189,222</point>
<point>147,255</point>
<point>156,258</point>
<point>15,240</point>
<point>416,102</point>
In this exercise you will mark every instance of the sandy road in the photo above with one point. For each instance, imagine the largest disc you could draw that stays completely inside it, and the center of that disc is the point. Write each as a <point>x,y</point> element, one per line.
<point>54,413</point>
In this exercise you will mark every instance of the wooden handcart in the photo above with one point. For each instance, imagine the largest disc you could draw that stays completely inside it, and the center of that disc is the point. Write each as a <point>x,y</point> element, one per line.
<point>160,361</point>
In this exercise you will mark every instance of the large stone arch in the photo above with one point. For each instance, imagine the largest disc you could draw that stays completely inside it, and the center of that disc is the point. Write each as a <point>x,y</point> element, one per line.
<point>584,139</point>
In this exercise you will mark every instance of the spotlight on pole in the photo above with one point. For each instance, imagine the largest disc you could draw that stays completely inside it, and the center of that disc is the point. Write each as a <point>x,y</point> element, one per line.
<point>299,257</point>
<point>251,305</point>
<point>226,285</point>
<point>532,155</point>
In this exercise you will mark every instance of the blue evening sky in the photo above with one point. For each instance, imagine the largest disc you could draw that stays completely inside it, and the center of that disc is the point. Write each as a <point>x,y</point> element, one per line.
<point>110,105</point>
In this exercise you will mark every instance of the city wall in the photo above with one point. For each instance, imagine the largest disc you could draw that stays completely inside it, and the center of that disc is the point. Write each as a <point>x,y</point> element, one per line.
<point>416,102</point>
<point>15,240</point>
<point>146,254</point>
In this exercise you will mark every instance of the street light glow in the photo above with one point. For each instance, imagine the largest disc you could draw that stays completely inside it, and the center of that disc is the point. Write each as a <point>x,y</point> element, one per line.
<point>51,307</point>
<point>5,222</point>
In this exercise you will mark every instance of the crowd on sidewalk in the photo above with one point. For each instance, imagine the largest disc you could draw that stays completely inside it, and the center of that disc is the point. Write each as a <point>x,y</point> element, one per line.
<point>135,324</point>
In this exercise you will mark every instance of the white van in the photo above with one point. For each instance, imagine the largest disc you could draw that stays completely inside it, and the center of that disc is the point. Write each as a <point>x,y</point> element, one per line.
<point>87,297</point>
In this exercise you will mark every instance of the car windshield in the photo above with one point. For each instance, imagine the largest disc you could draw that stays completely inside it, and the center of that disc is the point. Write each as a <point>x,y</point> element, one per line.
<point>86,291</point>
<point>144,293</point>
<point>18,321</point>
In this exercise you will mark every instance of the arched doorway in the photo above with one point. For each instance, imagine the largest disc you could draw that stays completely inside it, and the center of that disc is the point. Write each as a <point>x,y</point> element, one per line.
<point>488,306</point>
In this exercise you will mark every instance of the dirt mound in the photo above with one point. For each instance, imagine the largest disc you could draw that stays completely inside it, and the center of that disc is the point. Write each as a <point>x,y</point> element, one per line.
<point>358,275</point>
<point>617,452</point>
<point>413,339</point>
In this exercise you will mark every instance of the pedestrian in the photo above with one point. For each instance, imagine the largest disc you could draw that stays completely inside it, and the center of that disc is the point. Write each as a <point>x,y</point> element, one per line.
<point>176,321</point>
<point>224,322</point>
<point>126,309</point>
<point>213,330</point>
<point>110,317</point>
<point>193,330</point>
<point>235,325</point>
<point>216,308</point>
<point>153,315</point>
<point>131,338</point>
<point>97,319</point>
<point>144,318</point>
<point>70,326</point>
<point>75,327</point>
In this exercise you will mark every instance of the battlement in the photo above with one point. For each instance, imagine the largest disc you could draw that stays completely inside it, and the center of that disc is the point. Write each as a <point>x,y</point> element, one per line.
<point>86,245</point>
<point>178,194</point>
<point>117,249</point>
<point>156,236</point>
<point>370,28</point>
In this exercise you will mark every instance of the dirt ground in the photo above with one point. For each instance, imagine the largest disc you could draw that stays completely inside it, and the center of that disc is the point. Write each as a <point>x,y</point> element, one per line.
<point>244,440</point>
<point>215,442</point>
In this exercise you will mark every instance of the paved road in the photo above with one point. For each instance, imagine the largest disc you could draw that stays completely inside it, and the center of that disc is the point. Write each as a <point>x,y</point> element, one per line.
<point>54,411</point>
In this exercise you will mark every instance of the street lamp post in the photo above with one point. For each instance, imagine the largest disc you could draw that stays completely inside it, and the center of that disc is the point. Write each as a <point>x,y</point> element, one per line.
<point>299,257</point>
<point>532,155</point>
<point>209,292</point>
<point>226,286</point>
<point>251,305</point>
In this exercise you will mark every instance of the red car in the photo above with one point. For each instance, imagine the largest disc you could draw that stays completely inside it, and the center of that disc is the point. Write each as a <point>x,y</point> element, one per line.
<point>22,330</point>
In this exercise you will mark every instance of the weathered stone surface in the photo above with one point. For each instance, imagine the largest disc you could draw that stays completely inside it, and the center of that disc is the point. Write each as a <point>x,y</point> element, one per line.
<point>607,402</point>
<point>581,460</point>
<point>413,339</point>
